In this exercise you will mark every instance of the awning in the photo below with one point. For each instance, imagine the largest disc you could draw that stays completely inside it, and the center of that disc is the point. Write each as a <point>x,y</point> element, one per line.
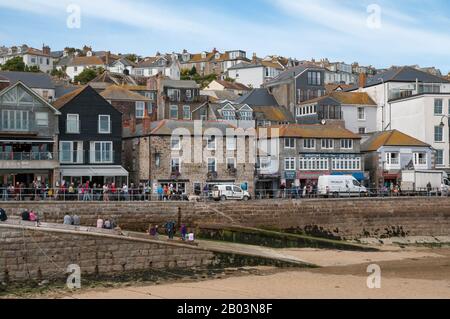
<point>110,171</point>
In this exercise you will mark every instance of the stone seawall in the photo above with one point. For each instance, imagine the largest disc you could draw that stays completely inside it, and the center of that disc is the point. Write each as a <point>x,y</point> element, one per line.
<point>32,254</point>
<point>345,218</point>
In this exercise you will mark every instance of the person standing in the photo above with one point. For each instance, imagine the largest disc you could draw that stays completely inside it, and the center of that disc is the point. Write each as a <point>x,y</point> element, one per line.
<point>183,231</point>
<point>105,193</point>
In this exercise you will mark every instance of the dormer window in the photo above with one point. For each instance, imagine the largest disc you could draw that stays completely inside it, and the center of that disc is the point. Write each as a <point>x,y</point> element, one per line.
<point>203,55</point>
<point>217,56</point>
<point>246,115</point>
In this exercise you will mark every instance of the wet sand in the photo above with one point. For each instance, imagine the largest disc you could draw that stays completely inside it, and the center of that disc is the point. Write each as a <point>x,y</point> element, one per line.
<point>406,273</point>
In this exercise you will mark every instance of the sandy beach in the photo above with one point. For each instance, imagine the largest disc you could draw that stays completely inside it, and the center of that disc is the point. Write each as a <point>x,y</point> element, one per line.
<point>406,273</point>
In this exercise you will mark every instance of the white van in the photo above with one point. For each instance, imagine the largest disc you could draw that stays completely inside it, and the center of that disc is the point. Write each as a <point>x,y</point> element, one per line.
<point>340,185</point>
<point>225,192</point>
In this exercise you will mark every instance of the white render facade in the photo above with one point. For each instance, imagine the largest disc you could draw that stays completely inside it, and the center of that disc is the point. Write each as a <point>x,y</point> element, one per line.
<point>421,116</point>
<point>360,119</point>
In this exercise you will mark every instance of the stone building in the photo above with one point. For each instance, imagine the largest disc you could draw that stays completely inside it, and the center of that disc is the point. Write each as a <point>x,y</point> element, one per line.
<point>189,155</point>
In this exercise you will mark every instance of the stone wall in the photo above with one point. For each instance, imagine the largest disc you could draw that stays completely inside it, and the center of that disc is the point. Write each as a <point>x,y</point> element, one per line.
<point>346,218</point>
<point>45,254</point>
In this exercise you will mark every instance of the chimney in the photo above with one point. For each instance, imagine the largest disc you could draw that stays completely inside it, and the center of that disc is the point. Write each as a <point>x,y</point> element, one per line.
<point>146,125</point>
<point>46,49</point>
<point>254,59</point>
<point>107,58</point>
<point>362,80</point>
<point>4,83</point>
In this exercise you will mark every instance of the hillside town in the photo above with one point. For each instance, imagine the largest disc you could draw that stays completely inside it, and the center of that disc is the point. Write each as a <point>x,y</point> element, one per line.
<point>80,120</point>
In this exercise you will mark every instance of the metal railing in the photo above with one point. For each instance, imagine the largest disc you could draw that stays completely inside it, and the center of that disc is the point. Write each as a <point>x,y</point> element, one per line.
<point>145,194</point>
<point>28,156</point>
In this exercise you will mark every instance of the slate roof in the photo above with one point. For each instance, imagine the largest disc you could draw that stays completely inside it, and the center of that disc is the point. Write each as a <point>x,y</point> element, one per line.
<point>233,85</point>
<point>312,131</point>
<point>180,84</point>
<point>33,80</point>
<point>272,113</point>
<point>118,93</point>
<point>404,74</point>
<point>86,61</point>
<point>390,138</point>
<point>346,98</point>
<point>61,90</point>
<point>258,97</point>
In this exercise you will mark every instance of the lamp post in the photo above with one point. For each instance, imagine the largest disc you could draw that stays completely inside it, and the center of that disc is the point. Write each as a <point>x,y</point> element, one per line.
<point>384,103</point>
<point>442,120</point>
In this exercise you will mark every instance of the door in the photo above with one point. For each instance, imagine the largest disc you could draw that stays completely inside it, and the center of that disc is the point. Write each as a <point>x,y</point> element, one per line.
<point>229,192</point>
<point>238,193</point>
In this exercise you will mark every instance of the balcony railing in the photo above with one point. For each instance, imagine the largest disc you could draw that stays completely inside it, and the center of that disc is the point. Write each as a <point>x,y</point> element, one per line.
<point>28,156</point>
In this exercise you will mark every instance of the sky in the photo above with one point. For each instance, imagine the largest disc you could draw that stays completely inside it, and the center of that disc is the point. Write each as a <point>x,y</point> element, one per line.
<point>379,33</point>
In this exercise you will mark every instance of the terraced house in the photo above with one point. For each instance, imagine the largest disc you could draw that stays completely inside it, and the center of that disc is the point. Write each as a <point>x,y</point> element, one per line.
<point>188,156</point>
<point>31,57</point>
<point>297,155</point>
<point>28,137</point>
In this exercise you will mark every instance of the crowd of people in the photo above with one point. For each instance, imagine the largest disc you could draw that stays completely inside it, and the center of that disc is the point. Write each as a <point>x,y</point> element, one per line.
<point>170,230</point>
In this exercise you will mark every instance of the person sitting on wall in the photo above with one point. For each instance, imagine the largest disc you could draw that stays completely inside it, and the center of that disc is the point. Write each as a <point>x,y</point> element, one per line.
<point>68,220</point>
<point>26,216</point>
<point>3,216</point>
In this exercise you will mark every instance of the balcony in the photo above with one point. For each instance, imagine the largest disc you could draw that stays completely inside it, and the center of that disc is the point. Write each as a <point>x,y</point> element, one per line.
<point>28,160</point>
<point>417,89</point>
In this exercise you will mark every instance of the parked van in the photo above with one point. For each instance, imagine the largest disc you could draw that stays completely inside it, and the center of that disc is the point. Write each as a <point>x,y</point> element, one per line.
<point>226,192</point>
<point>340,185</point>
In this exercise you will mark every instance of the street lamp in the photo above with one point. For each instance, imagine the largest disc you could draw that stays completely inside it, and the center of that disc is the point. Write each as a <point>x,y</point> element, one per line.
<point>442,125</point>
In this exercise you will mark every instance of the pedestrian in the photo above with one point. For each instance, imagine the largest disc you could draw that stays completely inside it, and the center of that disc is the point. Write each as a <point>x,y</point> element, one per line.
<point>68,220</point>
<point>33,216</point>
<point>429,188</point>
<point>86,192</point>
<point>99,222</point>
<point>160,192</point>
<point>76,220</point>
<point>170,229</point>
<point>107,224</point>
<point>26,216</point>
<point>105,193</point>
<point>3,216</point>
<point>183,231</point>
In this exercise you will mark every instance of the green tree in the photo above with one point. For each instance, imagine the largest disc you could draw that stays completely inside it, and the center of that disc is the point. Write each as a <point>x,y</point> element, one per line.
<point>14,64</point>
<point>58,73</point>
<point>193,71</point>
<point>86,76</point>
<point>34,69</point>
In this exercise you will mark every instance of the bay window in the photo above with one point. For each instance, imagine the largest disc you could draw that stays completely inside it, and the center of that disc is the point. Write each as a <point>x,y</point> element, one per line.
<point>101,152</point>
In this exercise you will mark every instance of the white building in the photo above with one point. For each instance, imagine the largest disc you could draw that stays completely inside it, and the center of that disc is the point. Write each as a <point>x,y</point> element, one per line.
<point>414,102</point>
<point>31,57</point>
<point>254,75</point>
<point>122,66</point>
<point>168,65</point>
<point>79,64</point>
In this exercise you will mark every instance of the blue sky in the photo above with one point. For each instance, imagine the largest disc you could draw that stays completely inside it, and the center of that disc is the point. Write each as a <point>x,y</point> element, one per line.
<point>405,31</point>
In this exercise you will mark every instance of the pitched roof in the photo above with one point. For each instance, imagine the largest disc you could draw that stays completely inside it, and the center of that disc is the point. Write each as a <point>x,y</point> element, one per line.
<point>167,127</point>
<point>258,97</point>
<point>404,74</point>
<point>33,80</point>
<point>233,85</point>
<point>63,100</point>
<point>390,138</point>
<point>290,74</point>
<point>334,87</point>
<point>272,113</point>
<point>310,131</point>
<point>119,93</point>
<point>125,62</point>
<point>180,84</point>
<point>85,61</point>
<point>345,98</point>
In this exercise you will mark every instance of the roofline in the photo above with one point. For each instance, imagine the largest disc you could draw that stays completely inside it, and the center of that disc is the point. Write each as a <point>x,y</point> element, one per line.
<point>57,112</point>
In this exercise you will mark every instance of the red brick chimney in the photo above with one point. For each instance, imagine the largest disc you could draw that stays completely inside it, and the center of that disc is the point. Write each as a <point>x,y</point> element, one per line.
<point>146,125</point>
<point>362,80</point>
<point>4,83</point>
<point>46,49</point>
<point>254,59</point>
<point>108,54</point>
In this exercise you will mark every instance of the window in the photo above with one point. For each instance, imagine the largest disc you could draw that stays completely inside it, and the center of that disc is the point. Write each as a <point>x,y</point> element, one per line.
<point>150,108</point>
<point>229,115</point>
<point>420,159</point>
<point>246,115</point>
<point>438,106</point>
<point>346,164</point>
<point>309,143</point>
<point>347,144</point>
<point>289,143</point>
<point>73,124</point>
<point>174,112</point>
<point>15,120</point>
<point>438,134</point>
<point>140,109</point>
<point>211,143</point>
<point>314,78</point>
<point>289,164</point>
<point>212,165</point>
<point>186,112</point>
<point>361,114</point>
<point>362,130</point>
<point>175,143</point>
<point>41,119</point>
<point>71,152</point>
<point>174,95</point>
<point>203,115</point>
<point>104,124</point>
<point>393,158</point>
<point>188,94</point>
<point>175,165</point>
<point>231,163</point>
<point>231,143</point>
<point>313,164</point>
<point>327,144</point>
<point>101,152</point>
<point>440,157</point>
